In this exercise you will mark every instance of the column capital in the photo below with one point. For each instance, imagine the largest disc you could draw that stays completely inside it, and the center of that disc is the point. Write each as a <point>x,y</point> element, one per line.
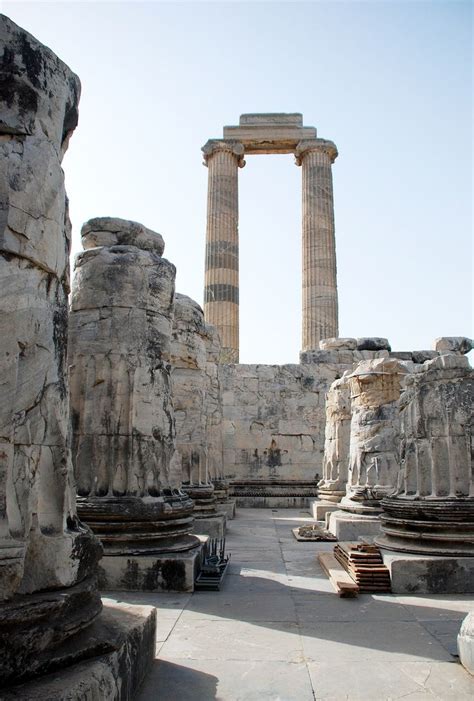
<point>212,146</point>
<point>320,145</point>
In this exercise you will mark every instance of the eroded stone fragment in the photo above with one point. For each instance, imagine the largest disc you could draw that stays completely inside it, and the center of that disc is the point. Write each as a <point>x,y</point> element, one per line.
<point>337,437</point>
<point>454,344</point>
<point>338,344</point>
<point>373,461</point>
<point>110,231</point>
<point>373,344</point>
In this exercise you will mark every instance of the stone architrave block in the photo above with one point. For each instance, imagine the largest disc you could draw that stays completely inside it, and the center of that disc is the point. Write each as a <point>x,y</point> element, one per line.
<point>338,344</point>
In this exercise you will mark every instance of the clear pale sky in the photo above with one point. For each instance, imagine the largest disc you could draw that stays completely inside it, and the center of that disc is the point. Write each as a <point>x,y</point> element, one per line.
<point>389,82</point>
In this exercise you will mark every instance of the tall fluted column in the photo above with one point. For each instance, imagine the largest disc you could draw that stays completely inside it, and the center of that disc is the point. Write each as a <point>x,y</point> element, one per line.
<point>320,313</point>
<point>221,291</point>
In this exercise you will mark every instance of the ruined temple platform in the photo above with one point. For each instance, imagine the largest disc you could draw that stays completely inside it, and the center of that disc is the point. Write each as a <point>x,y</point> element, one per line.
<point>277,630</point>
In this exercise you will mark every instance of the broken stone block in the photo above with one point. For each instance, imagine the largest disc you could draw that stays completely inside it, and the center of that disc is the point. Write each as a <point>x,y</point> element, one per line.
<point>373,344</point>
<point>454,344</point>
<point>338,344</point>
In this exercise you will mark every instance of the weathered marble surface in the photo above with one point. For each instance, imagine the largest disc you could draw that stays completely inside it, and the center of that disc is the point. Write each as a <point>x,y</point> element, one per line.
<point>108,663</point>
<point>338,344</point>
<point>42,544</point>
<point>120,329</point>
<point>337,440</point>
<point>213,408</point>
<point>274,419</point>
<point>454,344</point>
<point>196,395</point>
<point>432,510</point>
<point>189,381</point>
<point>124,438</point>
<point>375,387</point>
<point>466,643</point>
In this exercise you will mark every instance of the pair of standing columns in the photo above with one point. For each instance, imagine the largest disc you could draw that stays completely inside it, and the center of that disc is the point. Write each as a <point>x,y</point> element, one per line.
<point>221,292</point>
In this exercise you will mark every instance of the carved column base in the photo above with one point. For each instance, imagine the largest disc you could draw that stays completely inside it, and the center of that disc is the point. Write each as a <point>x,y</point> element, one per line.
<point>147,541</point>
<point>330,491</point>
<point>36,625</point>
<point>208,520</point>
<point>429,526</point>
<point>135,525</point>
<point>203,497</point>
<point>221,490</point>
<point>225,503</point>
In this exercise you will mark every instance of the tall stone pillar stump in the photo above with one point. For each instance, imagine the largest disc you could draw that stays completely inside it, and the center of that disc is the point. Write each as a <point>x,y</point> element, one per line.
<point>190,384</point>
<point>332,487</point>
<point>429,520</point>
<point>122,411</point>
<point>221,292</point>
<point>214,424</point>
<point>51,614</point>
<point>375,387</point>
<point>320,304</point>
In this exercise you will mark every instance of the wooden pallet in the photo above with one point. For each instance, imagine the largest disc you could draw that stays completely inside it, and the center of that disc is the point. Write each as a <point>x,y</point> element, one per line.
<point>363,562</point>
<point>339,578</point>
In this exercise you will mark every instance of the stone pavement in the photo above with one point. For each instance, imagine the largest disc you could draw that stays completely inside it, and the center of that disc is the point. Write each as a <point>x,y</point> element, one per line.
<point>278,631</point>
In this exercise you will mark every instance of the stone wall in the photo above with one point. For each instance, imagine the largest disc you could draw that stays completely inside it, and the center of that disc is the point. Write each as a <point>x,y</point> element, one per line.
<point>274,418</point>
<point>274,415</point>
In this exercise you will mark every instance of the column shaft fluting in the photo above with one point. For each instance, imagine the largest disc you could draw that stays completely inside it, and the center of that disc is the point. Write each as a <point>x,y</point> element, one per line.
<point>221,291</point>
<point>320,306</point>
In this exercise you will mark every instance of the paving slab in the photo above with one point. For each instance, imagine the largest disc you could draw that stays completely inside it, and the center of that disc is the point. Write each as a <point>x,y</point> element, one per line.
<point>233,640</point>
<point>170,680</point>
<point>277,631</point>
<point>247,606</point>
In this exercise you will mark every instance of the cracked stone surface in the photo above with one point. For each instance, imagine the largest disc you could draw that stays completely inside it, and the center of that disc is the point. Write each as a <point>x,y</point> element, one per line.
<point>277,630</point>
<point>48,559</point>
<point>193,401</point>
<point>375,387</point>
<point>337,439</point>
<point>119,345</point>
<point>39,111</point>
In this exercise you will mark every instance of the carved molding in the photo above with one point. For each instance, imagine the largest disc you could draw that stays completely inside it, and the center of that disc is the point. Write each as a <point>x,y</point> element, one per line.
<point>213,146</point>
<point>321,145</point>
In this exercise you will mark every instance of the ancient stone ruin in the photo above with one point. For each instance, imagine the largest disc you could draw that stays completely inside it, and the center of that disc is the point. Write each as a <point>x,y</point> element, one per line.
<point>50,610</point>
<point>129,430</point>
<point>332,487</point>
<point>192,403</point>
<point>430,512</point>
<point>267,134</point>
<point>124,437</point>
